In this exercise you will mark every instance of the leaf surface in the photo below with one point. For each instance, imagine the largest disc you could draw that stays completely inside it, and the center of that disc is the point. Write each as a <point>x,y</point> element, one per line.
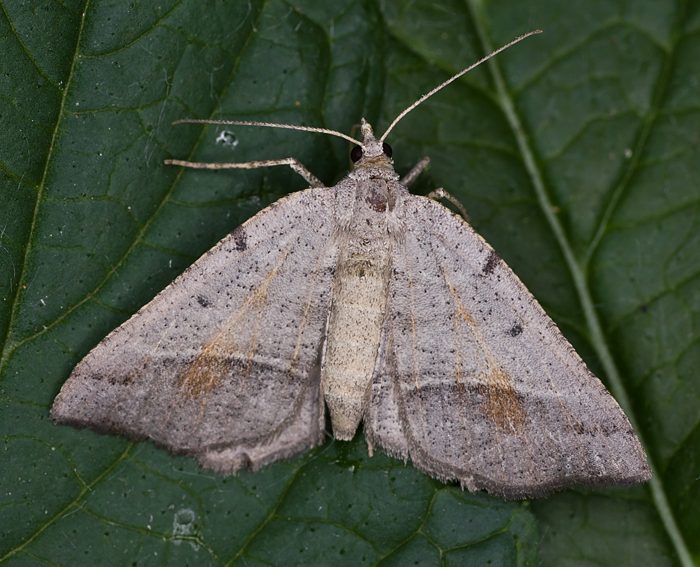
<point>575,153</point>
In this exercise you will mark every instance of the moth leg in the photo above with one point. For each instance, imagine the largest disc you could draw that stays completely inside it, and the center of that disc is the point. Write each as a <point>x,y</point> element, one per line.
<point>291,162</point>
<point>416,170</point>
<point>440,193</point>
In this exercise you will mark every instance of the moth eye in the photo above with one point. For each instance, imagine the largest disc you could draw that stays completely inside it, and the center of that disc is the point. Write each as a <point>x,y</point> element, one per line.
<point>386,148</point>
<point>356,154</point>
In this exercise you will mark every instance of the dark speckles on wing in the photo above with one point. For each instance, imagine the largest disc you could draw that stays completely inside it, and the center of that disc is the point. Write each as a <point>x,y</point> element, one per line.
<point>240,238</point>
<point>491,263</point>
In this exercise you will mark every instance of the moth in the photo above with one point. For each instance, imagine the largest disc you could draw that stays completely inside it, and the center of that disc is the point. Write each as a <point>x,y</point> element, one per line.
<point>379,306</point>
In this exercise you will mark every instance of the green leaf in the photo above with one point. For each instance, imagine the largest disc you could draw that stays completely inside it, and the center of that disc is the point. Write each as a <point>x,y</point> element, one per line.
<point>575,153</point>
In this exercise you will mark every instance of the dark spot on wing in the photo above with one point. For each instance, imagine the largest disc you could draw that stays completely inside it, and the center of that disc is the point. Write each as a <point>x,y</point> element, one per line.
<point>604,427</point>
<point>240,238</point>
<point>515,330</point>
<point>115,379</point>
<point>491,263</point>
<point>203,301</point>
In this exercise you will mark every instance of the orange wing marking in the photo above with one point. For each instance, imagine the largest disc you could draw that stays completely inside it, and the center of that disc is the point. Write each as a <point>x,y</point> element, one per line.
<point>502,405</point>
<point>214,362</point>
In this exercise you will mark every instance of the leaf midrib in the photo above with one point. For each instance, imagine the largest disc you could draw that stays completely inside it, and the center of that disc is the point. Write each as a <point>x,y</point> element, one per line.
<point>597,336</point>
<point>41,187</point>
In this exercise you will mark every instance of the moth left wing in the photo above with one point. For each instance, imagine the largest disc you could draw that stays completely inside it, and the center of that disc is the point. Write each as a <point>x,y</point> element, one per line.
<point>224,363</point>
<point>477,384</point>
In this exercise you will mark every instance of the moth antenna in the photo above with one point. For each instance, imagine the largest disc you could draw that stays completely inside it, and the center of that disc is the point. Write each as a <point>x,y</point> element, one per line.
<point>454,78</point>
<point>271,125</point>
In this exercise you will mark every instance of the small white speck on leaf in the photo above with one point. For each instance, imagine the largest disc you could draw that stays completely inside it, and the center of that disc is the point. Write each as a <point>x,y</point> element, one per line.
<point>227,138</point>
<point>184,527</point>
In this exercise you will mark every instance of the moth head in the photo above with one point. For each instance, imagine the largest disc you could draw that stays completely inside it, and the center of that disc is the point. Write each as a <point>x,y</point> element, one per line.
<point>371,151</point>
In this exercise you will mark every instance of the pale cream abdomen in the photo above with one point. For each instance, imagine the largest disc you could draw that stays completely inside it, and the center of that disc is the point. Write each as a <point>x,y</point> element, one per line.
<point>353,335</point>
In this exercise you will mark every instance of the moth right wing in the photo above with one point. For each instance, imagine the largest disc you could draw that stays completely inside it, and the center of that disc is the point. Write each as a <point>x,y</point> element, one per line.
<point>475,381</point>
<point>224,363</point>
